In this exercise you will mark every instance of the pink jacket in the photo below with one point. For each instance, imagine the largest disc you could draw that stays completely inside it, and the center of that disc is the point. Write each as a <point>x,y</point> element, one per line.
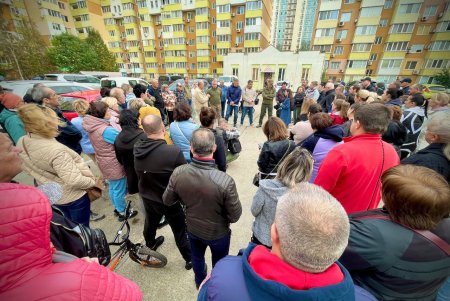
<point>26,269</point>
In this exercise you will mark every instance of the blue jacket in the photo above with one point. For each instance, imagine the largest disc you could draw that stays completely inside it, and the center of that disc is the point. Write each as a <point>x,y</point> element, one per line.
<point>394,102</point>
<point>234,279</point>
<point>285,113</point>
<point>181,134</point>
<point>85,143</point>
<point>224,94</point>
<point>234,94</point>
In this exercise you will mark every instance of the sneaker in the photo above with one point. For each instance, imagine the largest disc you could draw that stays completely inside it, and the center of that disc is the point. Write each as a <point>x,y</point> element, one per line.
<point>158,242</point>
<point>258,126</point>
<point>122,216</point>
<point>188,265</point>
<point>95,217</point>
<point>163,222</point>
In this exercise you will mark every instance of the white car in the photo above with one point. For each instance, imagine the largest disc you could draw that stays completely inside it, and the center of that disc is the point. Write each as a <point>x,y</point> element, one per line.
<point>22,87</point>
<point>86,80</point>
<point>112,82</point>
<point>227,79</point>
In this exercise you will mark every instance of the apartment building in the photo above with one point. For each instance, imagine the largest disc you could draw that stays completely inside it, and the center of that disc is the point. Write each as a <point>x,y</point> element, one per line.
<point>154,37</point>
<point>384,39</point>
<point>293,22</point>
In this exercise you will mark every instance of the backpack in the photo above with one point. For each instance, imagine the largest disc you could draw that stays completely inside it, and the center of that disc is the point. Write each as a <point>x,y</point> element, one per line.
<point>78,240</point>
<point>234,145</point>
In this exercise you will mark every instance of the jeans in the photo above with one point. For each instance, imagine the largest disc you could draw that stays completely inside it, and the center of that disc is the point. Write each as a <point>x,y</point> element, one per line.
<point>245,111</point>
<point>444,291</point>
<point>264,107</point>
<point>223,105</point>
<point>174,214</point>
<point>235,110</point>
<point>219,249</point>
<point>117,192</point>
<point>77,211</point>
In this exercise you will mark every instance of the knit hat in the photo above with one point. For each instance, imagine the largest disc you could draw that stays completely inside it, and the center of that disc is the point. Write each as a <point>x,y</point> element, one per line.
<point>11,100</point>
<point>363,93</point>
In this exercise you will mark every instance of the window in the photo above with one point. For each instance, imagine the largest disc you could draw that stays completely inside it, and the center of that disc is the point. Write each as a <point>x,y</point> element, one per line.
<point>222,51</point>
<point>342,34</point>
<point>388,4</point>
<point>223,38</point>
<point>112,33</point>
<point>253,5</point>
<point>201,11</point>
<point>443,26</point>
<point>255,73</point>
<point>383,22</point>
<point>402,28</point>
<point>203,65</point>
<point>239,25</point>
<point>338,50</point>
<point>349,1</point>
<point>391,64</point>
<point>56,26</point>
<point>396,46</point>
<point>252,36</point>
<point>239,39</point>
<point>345,17</point>
<point>438,64</point>
<point>127,6</point>
<point>411,65</point>
<point>203,52</point>
<point>409,8</point>
<point>203,39</point>
<point>335,65</point>
<point>223,8</point>
<point>328,15</point>
<point>251,21</point>
<point>366,30</point>
<point>325,32</point>
<point>202,25</point>
<point>130,31</point>
<point>224,23</point>
<point>281,72</point>
<point>305,72</point>
<point>357,64</point>
<point>370,11</point>
<point>378,40</point>
<point>191,29</point>
<point>426,80</point>
<point>417,48</point>
<point>440,46</point>
<point>106,9</point>
<point>240,10</point>
<point>235,72</point>
<point>322,48</point>
<point>361,47</point>
<point>61,5</point>
<point>430,11</point>
<point>373,57</point>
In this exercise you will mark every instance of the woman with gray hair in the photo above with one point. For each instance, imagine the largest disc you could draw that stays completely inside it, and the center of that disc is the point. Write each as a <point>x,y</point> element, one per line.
<point>295,168</point>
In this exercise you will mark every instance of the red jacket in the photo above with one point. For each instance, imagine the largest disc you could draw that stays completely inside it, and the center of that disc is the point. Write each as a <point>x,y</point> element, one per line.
<point>26,268</point>
<point>351,171</point>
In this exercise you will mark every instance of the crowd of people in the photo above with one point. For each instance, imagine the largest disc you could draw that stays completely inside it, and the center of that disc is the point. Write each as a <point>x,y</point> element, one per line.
<point>353,196</point>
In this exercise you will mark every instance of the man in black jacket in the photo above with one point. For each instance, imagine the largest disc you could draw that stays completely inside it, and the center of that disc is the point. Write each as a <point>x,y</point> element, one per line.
<point>154,163</point>
<point>211,201</point>
<point>367,84</point>
<point>327,100</point>
<point>68,134</point>
<point>155,91</point>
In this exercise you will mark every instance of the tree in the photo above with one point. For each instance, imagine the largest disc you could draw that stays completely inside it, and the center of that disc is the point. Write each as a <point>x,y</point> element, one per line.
<point>71,54</point>
<point>105,59</point>
<point>443,78</point>
<point>26,52</point>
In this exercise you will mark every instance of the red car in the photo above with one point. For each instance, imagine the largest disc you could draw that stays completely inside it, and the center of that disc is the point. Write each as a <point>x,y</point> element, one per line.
<point>66,100</point>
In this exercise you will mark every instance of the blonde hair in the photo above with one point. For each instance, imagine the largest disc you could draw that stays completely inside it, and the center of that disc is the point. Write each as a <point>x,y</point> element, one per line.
<point>110,101</point>
<point>342,107</point>
<point>295,168</point>
<point>136,104</point>
<point>441,98</point>
<point>440,126</point>
<point>39,120</point>
<point>307,102</point>
<point>81,106</point>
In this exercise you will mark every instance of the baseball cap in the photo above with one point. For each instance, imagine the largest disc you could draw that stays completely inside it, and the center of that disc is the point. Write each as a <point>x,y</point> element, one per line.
<point>366,78</point>
<point>406,80</point>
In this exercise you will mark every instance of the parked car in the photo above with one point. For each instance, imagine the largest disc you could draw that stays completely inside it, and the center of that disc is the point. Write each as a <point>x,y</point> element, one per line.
<point>78,78</point>
<point>430,89</point>
<point>66,101</point>
<point>111,82</point>
<point>168,79</point>
<point>22,87</point>
<point>227,79</point>
<point>173,85</point>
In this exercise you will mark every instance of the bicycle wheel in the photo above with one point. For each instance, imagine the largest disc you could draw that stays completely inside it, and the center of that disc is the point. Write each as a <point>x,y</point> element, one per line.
<point>147,257</point>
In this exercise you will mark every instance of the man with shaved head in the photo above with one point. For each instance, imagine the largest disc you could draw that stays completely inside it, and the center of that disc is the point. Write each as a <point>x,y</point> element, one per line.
<point>118,94</point>
<point>154,161</point>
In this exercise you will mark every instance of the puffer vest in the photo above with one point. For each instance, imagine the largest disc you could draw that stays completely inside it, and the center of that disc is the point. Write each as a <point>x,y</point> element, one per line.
<point>104,152</point>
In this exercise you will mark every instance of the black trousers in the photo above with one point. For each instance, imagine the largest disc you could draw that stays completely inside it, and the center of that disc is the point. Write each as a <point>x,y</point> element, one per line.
<point>154,211</point>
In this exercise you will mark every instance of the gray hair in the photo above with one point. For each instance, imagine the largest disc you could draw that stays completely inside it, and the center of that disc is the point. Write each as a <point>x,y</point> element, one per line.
<point>295,168</point>
<point>39,93</point>
<point>312,226</point>
<point>202,142</point>
<point>440,125</point>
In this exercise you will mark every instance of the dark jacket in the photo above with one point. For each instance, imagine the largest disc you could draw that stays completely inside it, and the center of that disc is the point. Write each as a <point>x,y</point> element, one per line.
<point>327,100</point>
<point>123,146</point>
<point>233,278</point>
<point>156,93</point>
<point>272,153</point>
<point>210,196</point>
<point>432,157</point>
<point>298,99</point>
<point>395,134</point>
<point>180,95</point>
<point>234,94</point>
<point>371,88</point>
<point>154,162</point>
<point>69,135</point>
<point>393,262</point>
<point>405,90</point>
<point>219,155</point>
<point>394,102</point>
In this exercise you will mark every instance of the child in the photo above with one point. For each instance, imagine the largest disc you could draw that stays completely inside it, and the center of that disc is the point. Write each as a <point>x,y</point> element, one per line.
<point>339,110</point>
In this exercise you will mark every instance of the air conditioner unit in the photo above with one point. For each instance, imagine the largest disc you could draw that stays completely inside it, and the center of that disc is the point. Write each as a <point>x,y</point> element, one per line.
<point>415,72</point>
<point>356,21</point>
<point>161,7</point>
<point>237,44</point>
<point>233,14</point>
<point>440,15</point>
<point>158,23</point>
<point>161,48</point>
<point>341,71</point>
<point>187,43</point>
<point>338,40</point>
<point>238,30</point>
<point>369,63</point>
<point>423,19</point>
<point>332,55</point>
<point>188,20</point>
<point>341,24</point>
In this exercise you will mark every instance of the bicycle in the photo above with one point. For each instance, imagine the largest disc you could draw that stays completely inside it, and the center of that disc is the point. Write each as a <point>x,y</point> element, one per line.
<point>138,252</point>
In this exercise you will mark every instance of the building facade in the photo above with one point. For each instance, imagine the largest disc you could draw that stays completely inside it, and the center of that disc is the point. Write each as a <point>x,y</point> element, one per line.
<point>384,39</point>
<point>278,65</point>
<point>293,21</point>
